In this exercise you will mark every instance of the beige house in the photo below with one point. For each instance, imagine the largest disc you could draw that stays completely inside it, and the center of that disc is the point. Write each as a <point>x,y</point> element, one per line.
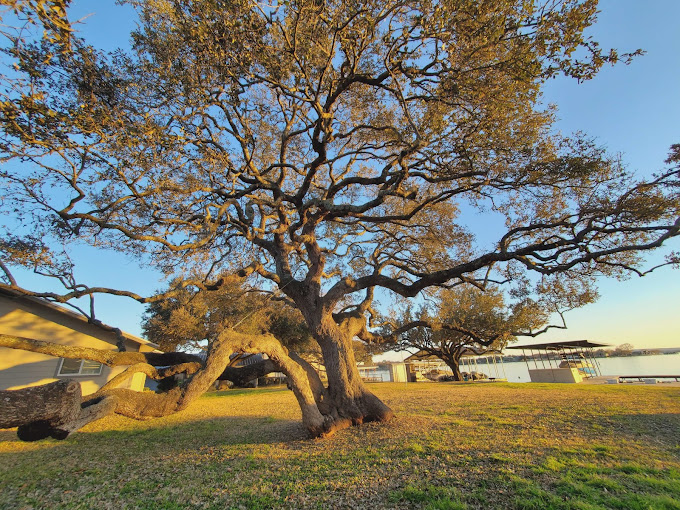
<point>41,320</point>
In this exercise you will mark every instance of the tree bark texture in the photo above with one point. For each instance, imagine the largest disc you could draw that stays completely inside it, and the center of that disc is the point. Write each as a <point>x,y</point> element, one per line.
<point>51,410</point>
<point>351,402</point>
<point>40,408</point>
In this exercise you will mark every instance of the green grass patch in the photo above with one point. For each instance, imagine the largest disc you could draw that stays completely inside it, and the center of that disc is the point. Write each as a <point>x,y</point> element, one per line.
<point>429,496</point>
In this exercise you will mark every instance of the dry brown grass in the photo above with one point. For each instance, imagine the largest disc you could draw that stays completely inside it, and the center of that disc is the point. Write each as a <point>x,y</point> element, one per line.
<point>450,446</point>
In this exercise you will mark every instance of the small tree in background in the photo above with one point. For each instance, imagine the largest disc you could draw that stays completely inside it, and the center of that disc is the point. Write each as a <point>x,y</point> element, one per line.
<point>191,319</point>
<point>468,320</point>
<point>624,350</point>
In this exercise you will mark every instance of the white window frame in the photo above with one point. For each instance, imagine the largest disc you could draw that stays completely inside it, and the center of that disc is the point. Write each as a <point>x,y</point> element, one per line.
<point>79,374</point>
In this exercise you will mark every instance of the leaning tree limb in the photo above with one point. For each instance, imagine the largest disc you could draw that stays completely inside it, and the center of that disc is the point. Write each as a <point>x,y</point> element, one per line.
<point>110,358</point>
<point>149,371</point>
<point>64,411</point>
<point>146,405</point>
<point>241,376</point>
<point>144,362</point>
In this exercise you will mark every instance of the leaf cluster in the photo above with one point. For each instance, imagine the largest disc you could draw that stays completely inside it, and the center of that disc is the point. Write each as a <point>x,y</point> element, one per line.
<point>192,318</point>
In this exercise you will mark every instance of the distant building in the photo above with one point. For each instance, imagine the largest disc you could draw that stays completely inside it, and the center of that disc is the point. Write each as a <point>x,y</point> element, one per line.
<point>38,319</point>
<point>423,366</point>
<point>383,372</point>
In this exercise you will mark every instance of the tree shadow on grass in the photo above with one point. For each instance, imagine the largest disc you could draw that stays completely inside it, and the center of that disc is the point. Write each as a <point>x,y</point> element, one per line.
<point>223,416</point>
<point>615,452</point>
<point>659,429</point>
<point>174,436</point>
<point>662,429</point>
<point>137,466</point>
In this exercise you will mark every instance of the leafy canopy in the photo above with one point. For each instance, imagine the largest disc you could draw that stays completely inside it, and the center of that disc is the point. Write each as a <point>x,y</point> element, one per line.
<point>329,148</point>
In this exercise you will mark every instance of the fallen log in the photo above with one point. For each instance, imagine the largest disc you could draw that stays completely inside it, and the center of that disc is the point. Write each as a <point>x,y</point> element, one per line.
<point>41,411</point>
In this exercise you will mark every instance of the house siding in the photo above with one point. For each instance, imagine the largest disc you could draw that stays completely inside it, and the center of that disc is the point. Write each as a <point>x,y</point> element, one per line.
<point>20,369</point>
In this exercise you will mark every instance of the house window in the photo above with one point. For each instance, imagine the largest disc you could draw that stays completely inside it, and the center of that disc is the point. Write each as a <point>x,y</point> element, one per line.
<point>79,367</point>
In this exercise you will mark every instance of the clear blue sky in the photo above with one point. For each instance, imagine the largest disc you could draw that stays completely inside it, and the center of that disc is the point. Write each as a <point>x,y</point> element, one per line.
<point>634,110</point>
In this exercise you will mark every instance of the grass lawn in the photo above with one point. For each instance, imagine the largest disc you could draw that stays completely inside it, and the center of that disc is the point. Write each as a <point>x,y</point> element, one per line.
<point>451,446</point>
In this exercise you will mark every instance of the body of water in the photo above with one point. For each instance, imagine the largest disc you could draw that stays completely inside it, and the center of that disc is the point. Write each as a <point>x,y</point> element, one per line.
<point>661,364</point>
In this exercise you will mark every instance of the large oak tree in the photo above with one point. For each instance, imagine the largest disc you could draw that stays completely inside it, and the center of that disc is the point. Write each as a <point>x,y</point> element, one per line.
<point>327,149</point>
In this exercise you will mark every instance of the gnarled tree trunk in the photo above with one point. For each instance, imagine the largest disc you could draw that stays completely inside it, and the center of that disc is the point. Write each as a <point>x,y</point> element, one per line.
<point>350,401</point>
<point>454,364</point>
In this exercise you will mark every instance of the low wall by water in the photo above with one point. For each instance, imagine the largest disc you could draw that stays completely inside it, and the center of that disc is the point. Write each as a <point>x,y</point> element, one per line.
<point>555,375</point>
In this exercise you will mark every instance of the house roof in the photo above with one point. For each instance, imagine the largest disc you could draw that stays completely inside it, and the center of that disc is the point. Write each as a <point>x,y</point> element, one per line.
<point>36,301</point>
<point>558,346</point>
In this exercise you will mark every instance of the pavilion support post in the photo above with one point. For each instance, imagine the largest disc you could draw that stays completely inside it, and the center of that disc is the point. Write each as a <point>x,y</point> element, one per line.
<point>526,360</point>
<point>590,356</point>
<point>596,363</point>
<point>550,363</point>
<point>550,359</point>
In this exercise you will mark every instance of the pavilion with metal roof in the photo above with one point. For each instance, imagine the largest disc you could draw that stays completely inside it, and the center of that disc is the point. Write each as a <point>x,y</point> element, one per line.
<point>570,361</point>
